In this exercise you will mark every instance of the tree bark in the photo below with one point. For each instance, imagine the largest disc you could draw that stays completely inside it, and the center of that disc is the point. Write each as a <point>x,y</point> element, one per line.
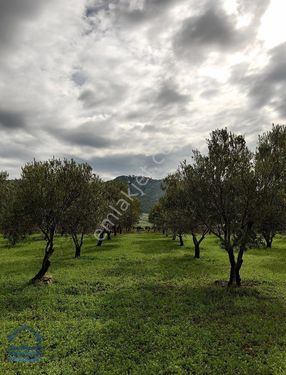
<point>197,251</point>
<point>77,252</point>
<point>174,236</point>
<point>268,237</point>
<point>78,244</point>
<point>197,246</point>
<point>46,261</point>
<point>269,244</point>
<point>235,266</point>
<point>181,240</point>
<point>232,266</point>
<point>238,265</point>
<point>197,243</point>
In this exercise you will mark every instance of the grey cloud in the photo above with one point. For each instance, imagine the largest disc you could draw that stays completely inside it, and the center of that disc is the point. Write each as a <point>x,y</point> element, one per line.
<point>238,73</point>
<point>268,86</point>
<point>256,8</point>
<point>80,138</point>
<point>15,152</point>
<point>159,129</point>
<point>79,78</point>
<point>209,31</point>
<point>166,97</point>
<point>87,135</point>
<point>169,95</point>
<point>141,163</point>
<point>132,12</point>
<point>106,93</point>
<point>243,120</point>
<point>207,94</point>
<point>151,9</point>
<point>95,7</point>
<point>214,30</point>
<point>12,14</point>
<point>12,120</point>
<point>88,98</point>
<point>124,71</point>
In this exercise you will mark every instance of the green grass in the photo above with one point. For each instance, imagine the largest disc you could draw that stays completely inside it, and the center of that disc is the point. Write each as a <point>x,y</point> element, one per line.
<point>143,305</point>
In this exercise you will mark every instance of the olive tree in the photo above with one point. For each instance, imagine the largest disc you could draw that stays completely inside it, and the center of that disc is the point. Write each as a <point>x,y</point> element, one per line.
<point>271,176</point>
<point>84,213</point>
<point>113,194</point>
<point>46,191</point>
<point>157,216</point>
<point>15,224</point>
<point>224,189</point>
<point>174,201</point>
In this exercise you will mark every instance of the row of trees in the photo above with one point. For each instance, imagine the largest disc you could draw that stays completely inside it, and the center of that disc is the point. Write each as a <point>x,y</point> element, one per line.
<point>64,197</point>
<point>231,192</point>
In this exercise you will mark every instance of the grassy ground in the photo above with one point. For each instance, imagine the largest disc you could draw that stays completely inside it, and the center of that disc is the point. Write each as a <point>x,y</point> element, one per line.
<point>143,305</point>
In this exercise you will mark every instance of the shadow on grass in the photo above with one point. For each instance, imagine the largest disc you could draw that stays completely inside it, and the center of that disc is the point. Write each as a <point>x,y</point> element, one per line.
<point>173,325</point>
<point>157,246</point>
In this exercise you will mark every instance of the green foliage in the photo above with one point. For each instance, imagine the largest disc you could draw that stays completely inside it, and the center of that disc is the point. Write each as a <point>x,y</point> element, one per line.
<point>158,215</point>
<point>142,305</point>
<point>3,195</point>
<point>15,224</point>
<point>85,212</point>
<point>271,176</point>
<point>131,216</point>
<point>47,191</point>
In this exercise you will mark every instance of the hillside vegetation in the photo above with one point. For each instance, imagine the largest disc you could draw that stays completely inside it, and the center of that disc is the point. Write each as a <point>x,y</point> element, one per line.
<point>152,190</point>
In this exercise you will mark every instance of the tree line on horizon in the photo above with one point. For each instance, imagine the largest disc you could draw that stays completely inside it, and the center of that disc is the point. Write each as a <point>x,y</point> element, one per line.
<point>235,194</point>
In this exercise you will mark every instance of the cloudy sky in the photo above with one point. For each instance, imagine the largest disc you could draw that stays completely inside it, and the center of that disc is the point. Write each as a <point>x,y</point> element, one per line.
<point>117,82</point>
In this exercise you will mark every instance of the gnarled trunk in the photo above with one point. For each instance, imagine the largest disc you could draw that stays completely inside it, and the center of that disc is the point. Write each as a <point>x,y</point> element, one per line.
<point>181,240</point>
<point>197,251</point>
<point>197,246</point>
<point>46,261</point>
<point>235,266</point>
<point>232,262</point>
<point>268,237</point>
<point>198,242</point>
<point>77,252</point>
<point>77,244</point>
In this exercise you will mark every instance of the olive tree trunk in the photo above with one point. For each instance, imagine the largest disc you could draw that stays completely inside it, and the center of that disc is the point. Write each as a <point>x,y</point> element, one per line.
<point>235,266</point>
<point>198,242</point>
<point>78,244</point>
<point>181,240</point>
<point>48,253</point>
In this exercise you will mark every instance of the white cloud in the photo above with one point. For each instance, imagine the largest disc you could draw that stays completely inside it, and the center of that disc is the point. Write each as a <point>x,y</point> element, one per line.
<point>103,80</point>
<point>273,26</point>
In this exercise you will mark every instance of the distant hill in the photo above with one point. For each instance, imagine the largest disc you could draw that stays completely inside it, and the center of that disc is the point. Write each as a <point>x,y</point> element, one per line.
<point>152,190</point>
